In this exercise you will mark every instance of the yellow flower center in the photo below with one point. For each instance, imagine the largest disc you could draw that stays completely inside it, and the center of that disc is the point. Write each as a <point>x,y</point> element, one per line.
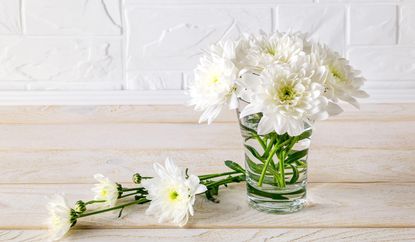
<point>104,192</point>
<point>214,79</point>
<point>173,195</point>
<point>286,94</point>
<point>56,221</point>
<point>271,51</point>
<point>337,74</point>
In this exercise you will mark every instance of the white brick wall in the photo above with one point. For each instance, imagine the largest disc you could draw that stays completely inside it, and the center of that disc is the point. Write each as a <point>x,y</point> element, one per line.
<point>136,45</point>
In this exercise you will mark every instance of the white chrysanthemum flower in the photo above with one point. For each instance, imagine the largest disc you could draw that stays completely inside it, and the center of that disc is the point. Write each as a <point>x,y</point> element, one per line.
<point>288,96</point>
<point>172,194</point>
<point>61,217</point>
<point>105,190</point>
<point>234,51</point>
<point>275,48</point>
<point>214,87</point>
<point>342,81</point>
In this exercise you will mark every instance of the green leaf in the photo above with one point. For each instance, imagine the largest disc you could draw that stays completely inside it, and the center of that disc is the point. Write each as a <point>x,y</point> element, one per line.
<point>295,156</point>
<point>121,210</point>
<point>234,166</point>
<point>247,128</point>
<point>277,196</point>
<point>305,135</point>
<point>211,196</point>
<point>257,168</point>
<point>248,138</point>
<point>254,152</point>
<point>295,176</point>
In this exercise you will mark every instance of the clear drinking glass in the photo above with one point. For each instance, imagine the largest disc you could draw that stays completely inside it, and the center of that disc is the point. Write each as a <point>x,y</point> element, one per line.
<point>276,167</point>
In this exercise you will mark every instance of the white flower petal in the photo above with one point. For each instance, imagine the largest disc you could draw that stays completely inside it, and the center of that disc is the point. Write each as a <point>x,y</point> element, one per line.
<point>281,125</point>
<point>334,109</point>
<point>59,221</point>
<point>352,101</point>
<point>106,190</point>
<point>249,110</point>
<point>265,126</point>
<point>360,94</point>
<point>172,194</point>
<point>295,127</point>
<point>233,104</point>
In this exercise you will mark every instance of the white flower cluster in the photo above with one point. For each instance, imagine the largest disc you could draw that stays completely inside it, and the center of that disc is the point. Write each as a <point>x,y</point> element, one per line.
<point>292,81</point>
<point>171,194</point>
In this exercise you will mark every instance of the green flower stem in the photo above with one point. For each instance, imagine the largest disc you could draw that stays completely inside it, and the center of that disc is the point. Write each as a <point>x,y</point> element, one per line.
<point>209,176</point>
<point>266,164</point>
<point>272,161</point>
<point>281,164</point>
<point>281,168</point>
<point>266,153</point>
<point>260,141</point>
<point>131,194</point>
<point>273,138</point>
<point>264,170</point>
<point>132,189</point>
<point>225,181</point>
<point>139,201</point>
<point>94,201</point>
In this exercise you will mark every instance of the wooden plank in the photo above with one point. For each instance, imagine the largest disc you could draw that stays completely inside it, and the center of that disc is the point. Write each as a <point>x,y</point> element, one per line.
<point>190,235</point>
<point>173,114</point>
<point>325,164</point>
<point>359,134</point>
<point>338,205</point>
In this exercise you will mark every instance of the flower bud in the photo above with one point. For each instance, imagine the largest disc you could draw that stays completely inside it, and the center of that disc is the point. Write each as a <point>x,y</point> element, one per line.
<point>74,217</point>
<point>119,188</point>
<point>80,207</point>
<point>137,178</point>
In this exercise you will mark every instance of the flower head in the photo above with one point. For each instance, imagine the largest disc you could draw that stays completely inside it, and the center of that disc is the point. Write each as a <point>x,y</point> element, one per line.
<point>234,51</point>
<point>342,81</point>
<point>215,78</point>
<point>106,190</point>
<point>214,87</point>
<point>61,217</point>
<point>172,193</point>
<point>288,96</point>
<point>275,48</point>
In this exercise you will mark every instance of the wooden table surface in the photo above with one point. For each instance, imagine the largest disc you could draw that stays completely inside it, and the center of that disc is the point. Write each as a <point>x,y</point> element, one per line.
<point>361,173</point>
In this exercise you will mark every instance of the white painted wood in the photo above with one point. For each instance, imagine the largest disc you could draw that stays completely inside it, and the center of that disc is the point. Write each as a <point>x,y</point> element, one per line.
<point>151,97</point>
<point>338,205</point>
<point>39,143</point>
<point>357,134</point>
<point>175,114</point>
<point>360,165</point>
<point>325,164</point>
<point>208,235</point>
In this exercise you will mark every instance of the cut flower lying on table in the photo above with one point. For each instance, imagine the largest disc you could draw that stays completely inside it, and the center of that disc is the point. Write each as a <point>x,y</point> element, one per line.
<point>171,195</point>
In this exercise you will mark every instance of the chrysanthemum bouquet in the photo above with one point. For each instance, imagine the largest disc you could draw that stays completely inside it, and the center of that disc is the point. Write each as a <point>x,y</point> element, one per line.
<point>280,84</point>
<point>171,195</point>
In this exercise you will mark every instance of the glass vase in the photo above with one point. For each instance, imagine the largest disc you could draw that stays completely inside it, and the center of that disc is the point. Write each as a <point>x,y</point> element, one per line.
<point>276,167</point>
